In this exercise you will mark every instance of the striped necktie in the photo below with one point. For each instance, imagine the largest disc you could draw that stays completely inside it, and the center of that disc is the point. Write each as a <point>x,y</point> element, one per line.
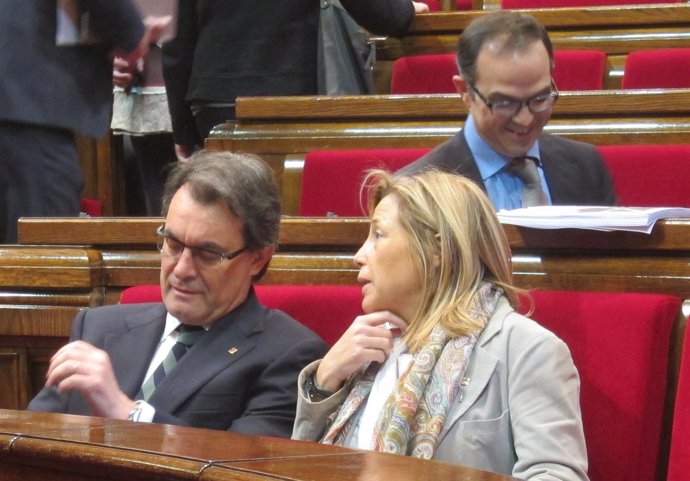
<point>525,168</point>
<point>188,335</point>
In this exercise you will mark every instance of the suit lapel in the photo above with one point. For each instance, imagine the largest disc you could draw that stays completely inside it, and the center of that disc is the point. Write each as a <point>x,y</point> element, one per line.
<point>226,342</point>
<point>464,162</point>
<point>481,369</point>
<point>141,333</point>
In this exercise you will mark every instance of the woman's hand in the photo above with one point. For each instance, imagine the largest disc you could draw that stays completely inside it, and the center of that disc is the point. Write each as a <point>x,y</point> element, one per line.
<point>368,339</point>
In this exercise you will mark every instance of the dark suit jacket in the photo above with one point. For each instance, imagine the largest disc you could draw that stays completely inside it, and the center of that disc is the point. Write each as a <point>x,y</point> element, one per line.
<point>227,49</point>
<point>574,171</point>
<point>64,87</point>
<point>252,389</point>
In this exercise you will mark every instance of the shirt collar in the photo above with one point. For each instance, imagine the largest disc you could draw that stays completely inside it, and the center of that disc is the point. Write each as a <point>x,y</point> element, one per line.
<point>489,162</point>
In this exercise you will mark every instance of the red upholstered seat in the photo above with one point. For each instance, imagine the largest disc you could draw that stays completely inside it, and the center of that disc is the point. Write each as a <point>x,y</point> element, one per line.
<point>326,310</point>
<point>660,68</point>
<point>424,74</point>
<point>434,5</point>
<point>649,175</point>
<point>620,345</point>
<point>331,178</point>
<point>506,4</point>
<point>91,207</point>
<point>579,69</point>
<point>432,74</point>
<point>679,459</point>
<point>463,4</point>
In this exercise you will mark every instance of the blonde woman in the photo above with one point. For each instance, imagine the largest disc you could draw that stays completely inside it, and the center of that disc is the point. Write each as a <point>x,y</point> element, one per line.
<point>441,366</point>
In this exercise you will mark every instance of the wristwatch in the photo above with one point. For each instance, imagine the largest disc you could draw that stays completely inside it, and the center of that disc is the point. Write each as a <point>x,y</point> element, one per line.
<point>135,413</point>
<point>314,392</point>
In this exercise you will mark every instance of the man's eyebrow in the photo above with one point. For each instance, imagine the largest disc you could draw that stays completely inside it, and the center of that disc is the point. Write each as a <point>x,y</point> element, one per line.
<point>543,91</point>
<point>208,245</point>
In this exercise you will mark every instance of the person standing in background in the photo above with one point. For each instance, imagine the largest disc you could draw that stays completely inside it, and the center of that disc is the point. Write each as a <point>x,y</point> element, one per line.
<point>141,119</point>
<point>49,92</point>
<point>224,50</point>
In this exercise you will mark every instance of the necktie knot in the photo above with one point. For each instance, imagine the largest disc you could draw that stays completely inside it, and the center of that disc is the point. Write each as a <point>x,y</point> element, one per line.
<point>525,168</point>
<point>189,334</point>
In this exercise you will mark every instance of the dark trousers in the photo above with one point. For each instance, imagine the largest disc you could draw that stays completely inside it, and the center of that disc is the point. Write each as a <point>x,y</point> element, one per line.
<point>148,158</point>
<point>40,175</point>
<point>208,117</point>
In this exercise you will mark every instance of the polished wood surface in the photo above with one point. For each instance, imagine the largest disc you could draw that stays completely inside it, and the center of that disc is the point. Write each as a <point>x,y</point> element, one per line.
<point>283,129</point>
<point>39,446</point>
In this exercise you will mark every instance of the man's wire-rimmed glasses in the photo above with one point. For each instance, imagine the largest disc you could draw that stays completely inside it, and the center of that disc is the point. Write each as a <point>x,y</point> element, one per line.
<point>509,108</point>
<point>172,247</point>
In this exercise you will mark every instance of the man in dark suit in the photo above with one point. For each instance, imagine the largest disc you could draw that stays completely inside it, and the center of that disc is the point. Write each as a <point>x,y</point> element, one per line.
<point>505,61</point>
<point>47,93</point>
<point>222,217</point>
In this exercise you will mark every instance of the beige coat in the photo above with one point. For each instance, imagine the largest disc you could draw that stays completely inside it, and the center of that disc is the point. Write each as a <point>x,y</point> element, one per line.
<point>519,414</point>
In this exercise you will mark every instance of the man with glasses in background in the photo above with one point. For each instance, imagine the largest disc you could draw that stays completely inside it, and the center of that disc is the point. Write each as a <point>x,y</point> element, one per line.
<point>210,355</point>
<point>505,60</point>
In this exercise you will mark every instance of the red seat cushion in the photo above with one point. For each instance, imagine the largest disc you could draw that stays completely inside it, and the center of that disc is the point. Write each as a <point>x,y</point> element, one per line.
<point>679,459</point>
<point>506,4</point>
<point>424,74</point>
<point>326,310</point>
<point>579,69</point>
<point>620,345</point>
<point>331,178</point>
<point>660,68</point>
<point>649,175</point>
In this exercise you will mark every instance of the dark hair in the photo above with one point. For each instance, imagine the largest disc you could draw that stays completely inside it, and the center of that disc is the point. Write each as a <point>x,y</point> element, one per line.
<point>516,31</point>
<point>243,182</point>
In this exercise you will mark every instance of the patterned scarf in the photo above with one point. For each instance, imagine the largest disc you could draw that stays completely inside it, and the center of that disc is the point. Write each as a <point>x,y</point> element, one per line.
<point>412,418</point>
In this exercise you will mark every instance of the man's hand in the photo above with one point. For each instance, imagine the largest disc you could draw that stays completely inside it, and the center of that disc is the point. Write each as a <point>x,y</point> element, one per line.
<point>81,367</point>
<point>368,339</point>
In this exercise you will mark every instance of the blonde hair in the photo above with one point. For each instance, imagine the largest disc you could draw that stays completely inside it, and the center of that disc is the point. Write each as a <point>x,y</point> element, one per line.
<point>457,243</point>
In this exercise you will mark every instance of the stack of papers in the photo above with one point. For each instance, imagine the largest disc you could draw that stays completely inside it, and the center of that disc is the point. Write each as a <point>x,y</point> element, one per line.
<point>636,219</point>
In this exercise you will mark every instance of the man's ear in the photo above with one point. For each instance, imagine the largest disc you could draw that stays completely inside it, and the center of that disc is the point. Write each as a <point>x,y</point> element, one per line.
<point>260,258</point>
<point>461,87</point>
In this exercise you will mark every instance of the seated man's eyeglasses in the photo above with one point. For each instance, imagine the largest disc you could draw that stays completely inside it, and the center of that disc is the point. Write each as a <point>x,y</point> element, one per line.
<point>171,247</point>
<point>511,107</point>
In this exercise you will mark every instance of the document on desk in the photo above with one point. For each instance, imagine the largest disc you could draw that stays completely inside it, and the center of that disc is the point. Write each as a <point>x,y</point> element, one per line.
<point>636,219</point>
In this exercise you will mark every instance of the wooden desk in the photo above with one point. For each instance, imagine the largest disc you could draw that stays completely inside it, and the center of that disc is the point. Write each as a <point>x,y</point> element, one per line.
<point>40,446</point>
<point>283,129</point>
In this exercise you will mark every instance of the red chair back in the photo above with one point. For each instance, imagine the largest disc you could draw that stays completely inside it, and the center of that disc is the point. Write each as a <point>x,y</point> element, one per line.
<point>649,175</point>
<point>579,69</point>
<point>620,345</point>
<point>679,458</point>
<point>326,310</point>
<point>432,74</point>
<point>424,74</point>
<point>434,5</point>
<point>510,4</point>
<point>331,178</point>
<point>664,68</point>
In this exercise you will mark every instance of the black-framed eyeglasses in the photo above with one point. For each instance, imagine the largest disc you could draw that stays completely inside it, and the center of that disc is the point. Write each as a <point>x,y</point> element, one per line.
<point>511,107</point>
<point>172,247</point>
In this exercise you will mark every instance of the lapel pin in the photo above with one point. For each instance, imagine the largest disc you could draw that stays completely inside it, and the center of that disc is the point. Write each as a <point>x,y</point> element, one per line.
<point>232,350</point>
